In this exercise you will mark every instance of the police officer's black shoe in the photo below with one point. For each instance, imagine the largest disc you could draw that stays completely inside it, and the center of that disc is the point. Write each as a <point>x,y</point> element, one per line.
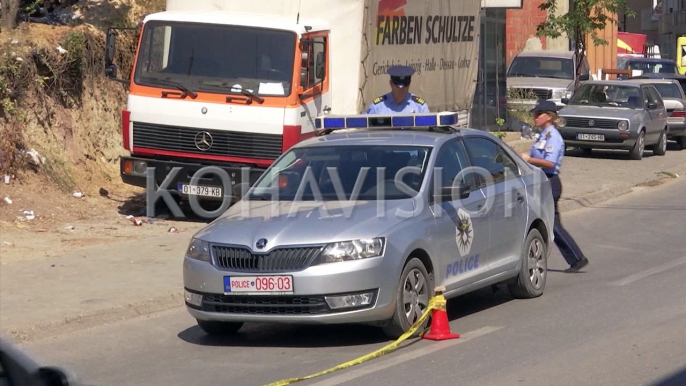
<point>577,266</point>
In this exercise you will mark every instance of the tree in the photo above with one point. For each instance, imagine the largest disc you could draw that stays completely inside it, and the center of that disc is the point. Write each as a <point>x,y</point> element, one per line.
<point>10,9</point>
<point>585,19</point>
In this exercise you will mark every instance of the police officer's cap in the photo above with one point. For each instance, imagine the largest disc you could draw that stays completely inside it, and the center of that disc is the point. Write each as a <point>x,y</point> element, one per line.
<point>544,106</point>
<point>400,75</point>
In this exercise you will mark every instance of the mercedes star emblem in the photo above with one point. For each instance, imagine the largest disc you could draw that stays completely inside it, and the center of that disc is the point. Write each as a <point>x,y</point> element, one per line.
<point>261,243</point>
<point>203,141</point>
<point>591,122</point>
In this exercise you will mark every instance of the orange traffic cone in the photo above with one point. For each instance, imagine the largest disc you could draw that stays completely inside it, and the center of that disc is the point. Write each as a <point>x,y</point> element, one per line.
<point>440,327</point>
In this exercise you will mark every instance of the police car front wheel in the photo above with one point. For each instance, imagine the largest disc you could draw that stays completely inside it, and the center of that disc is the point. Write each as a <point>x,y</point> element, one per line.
<point>415,289</point>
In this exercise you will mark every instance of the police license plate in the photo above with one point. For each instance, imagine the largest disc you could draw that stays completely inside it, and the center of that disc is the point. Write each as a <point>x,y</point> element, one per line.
<point>590,137</point>
<point>261,285</point>
<point>197,190</point>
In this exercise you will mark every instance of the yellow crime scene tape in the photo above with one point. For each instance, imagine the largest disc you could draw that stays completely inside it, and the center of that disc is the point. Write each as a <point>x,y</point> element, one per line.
<point>437,302</point>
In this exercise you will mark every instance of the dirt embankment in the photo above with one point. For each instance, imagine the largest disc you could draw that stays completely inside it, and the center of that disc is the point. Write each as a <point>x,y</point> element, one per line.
<point>60,132</point>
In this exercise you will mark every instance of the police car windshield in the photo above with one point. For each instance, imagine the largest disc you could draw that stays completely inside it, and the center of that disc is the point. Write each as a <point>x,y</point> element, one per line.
<point>335,173</point>
<point>217,58</point>
<point>608,95</point>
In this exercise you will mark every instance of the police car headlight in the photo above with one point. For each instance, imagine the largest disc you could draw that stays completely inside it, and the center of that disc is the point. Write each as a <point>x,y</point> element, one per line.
<point>352,250</point>
<point>561,122</point>
<point>198,250</point>
<point>623,125</point>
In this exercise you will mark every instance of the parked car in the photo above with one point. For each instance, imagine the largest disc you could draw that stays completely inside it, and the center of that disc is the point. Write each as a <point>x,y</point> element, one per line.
<point>616,114</point>
<point>671,88</point>
<point>318,240</point>
<point>647,66</point>
<point>549,75</point>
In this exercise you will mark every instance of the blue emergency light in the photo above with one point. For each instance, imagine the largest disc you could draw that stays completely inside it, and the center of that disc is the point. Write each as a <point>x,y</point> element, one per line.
<point>367,121</point>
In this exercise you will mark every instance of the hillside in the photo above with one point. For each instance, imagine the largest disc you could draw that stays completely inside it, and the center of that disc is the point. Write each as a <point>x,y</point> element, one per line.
<point>60,122</point>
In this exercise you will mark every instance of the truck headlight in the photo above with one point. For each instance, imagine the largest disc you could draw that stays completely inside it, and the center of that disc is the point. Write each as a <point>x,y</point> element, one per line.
<point>352,250</point>
<point>199,250</point>
<point>623,125</point>
<point>561,122</point>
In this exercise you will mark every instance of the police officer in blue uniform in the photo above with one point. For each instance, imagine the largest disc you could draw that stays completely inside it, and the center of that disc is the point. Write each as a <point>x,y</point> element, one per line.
<point>547,153</point>
<point>399,100</point>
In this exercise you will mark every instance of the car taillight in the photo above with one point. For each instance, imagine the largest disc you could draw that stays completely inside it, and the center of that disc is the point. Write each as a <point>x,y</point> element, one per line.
<point>125,123</point>
<point>291,136</point>
<point>678,114</point>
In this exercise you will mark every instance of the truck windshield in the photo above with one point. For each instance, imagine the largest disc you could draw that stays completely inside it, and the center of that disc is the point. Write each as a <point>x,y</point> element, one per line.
<point>216,58</point>
<point>335,173</point>
<point>542,67</point>
<point>608,95</point>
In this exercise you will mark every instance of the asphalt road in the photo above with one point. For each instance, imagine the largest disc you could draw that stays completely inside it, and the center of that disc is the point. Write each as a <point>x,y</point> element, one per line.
<point>621,322</point>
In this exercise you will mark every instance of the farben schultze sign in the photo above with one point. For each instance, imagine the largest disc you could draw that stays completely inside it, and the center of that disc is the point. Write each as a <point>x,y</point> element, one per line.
<point>439,39</point>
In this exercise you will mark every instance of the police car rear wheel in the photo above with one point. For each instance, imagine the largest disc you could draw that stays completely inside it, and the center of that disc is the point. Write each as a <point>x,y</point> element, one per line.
<point>415,289</point>
<point>219,328</point>
<point>532,277</point>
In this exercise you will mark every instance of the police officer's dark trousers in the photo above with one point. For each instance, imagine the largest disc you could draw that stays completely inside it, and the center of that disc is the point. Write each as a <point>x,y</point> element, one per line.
<point>564,241</point>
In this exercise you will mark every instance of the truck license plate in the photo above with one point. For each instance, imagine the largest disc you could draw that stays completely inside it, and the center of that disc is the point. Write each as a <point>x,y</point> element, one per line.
<point>590,137</point>
<point>262,285</point>
<point>196,190</point>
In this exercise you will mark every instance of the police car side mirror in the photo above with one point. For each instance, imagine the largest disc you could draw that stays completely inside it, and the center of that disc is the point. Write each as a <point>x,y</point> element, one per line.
<point>565,101</point>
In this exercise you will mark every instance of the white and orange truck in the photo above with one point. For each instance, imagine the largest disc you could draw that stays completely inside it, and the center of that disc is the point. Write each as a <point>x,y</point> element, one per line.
<point>233,84</point>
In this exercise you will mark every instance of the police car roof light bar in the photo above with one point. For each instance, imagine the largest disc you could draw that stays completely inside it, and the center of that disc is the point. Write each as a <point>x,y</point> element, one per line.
<point>367,121</point>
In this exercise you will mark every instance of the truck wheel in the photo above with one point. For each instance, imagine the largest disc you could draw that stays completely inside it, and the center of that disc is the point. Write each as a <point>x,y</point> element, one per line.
<point>415,289</point>
<point>660,148</point>
<point>639,147</point>
<point>219,328</point>
<point>532,277</point>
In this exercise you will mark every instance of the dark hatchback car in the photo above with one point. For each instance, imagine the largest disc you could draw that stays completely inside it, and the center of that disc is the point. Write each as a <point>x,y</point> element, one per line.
<point>647,66</point>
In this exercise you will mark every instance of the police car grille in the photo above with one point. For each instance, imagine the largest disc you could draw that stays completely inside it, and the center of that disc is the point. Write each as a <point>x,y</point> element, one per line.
<point>278,260</point>
<point>224,143</point>
<point>585,122</point>
<point>265,304</point>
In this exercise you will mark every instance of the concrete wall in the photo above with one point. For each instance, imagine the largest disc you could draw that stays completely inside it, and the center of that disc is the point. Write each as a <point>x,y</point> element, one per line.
<point>561,43</point>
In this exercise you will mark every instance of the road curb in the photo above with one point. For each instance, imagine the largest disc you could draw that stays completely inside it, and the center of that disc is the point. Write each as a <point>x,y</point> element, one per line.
<point>593,198</point>
<point>98,318</point>
<point>605,194</point>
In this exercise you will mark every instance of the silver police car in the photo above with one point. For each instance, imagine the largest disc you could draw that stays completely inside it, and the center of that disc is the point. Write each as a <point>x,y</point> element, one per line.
<point>360,225</point>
